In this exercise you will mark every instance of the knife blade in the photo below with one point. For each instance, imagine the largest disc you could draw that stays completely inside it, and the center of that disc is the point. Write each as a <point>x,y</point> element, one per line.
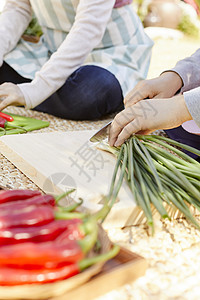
<point>101,134</point>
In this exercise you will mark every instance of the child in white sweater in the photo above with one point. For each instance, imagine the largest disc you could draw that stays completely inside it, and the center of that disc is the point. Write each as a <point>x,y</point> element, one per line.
<point>91,54</point>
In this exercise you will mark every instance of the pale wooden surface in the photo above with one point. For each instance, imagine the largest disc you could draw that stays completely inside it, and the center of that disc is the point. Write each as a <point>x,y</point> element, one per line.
<point>57,162</point>
<point>49,159</point>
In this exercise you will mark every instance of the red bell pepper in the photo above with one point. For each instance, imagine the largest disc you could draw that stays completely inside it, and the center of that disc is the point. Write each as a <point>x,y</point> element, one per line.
<point>14,195</point>
<point>47,232</point>
<point>10,276</point>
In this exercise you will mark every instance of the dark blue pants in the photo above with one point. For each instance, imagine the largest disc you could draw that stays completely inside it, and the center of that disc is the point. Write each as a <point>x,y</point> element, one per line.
<point>180,135</point>
<point>90,93</point>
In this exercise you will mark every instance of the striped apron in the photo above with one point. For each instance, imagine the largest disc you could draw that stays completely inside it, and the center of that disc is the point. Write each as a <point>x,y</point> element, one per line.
<point>125,49</point>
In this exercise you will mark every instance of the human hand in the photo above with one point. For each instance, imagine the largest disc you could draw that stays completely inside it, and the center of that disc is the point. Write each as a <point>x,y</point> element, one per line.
<point>164,86</point>
<point>147,116</point>
<point>10,94</point>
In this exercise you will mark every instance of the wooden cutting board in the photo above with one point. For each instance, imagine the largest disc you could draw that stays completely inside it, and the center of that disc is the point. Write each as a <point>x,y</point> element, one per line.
<point>58,161</point>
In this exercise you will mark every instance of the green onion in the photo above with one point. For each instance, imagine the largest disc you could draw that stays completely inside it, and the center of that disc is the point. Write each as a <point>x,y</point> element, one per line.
<point>115,186</point>
<point>155,175</point>
<point>179,175</point>
<point>144,195</point>
<point>158,139</point>
<point>115,171</point>
<point>147,158</point>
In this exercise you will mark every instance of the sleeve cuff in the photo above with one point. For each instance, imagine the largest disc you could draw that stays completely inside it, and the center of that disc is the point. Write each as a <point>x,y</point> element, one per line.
<point>192,100</point>
<point>183,75</point>
<point>187,76</point>
<point>188,84</point>
<point>35,92</point>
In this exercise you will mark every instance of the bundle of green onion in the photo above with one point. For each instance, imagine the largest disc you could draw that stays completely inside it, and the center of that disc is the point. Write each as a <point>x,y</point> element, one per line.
<point>157,172</point>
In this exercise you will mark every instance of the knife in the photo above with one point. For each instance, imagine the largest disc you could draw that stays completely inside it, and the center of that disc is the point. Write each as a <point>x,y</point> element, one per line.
<point>101,134</point>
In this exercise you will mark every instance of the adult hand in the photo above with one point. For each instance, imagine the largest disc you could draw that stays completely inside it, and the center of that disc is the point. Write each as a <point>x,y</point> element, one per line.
<point>147,116</point>
<point>164,86</point>
<point>10,94</point>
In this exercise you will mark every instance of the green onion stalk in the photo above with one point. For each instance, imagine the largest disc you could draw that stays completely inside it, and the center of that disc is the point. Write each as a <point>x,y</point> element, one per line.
<point>157,173</point>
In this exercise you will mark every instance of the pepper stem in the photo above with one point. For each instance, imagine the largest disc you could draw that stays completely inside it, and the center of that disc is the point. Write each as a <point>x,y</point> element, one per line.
<point>102,213</point>
<point>69,215</point>
<point>90,239</point>
<point>61,196</point>
<point>87,262</point>
<point>71,207</point>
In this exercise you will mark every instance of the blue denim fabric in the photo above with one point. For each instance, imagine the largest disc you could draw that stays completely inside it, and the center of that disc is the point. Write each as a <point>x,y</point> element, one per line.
<point>180,135</point>
<point>90,93</point>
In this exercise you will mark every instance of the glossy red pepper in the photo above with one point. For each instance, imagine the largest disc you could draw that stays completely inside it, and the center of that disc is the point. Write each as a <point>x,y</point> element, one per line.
<point>2,122</point>
<point>37,200</point>
<point>27,216</point>
<point>52,252</point>
<point>34,198</point>
<point>10,276</point>
<point>6,117</point>
<point>37,234</point>
<point>72,233</point>
<point>79,231</point>
<point>33,215</point>
<point>15,276</point>
<point>40,254</point>
<point>14,195</point>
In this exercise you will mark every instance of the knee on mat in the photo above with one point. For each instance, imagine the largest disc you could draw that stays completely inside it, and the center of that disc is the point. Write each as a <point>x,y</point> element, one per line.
<point>94,93</point>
